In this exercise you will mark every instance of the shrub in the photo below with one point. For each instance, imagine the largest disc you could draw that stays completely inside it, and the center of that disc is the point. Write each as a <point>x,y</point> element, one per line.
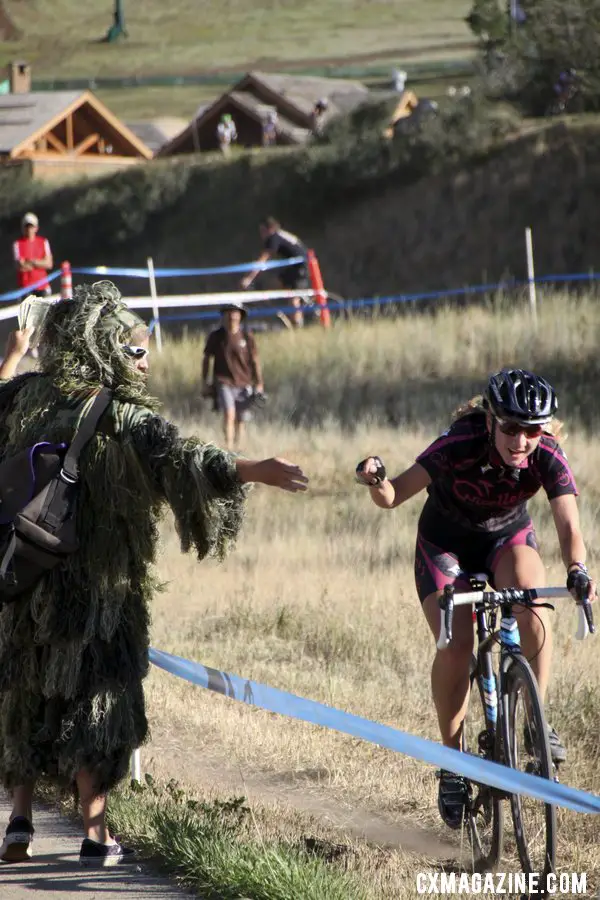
<point>524,59</point>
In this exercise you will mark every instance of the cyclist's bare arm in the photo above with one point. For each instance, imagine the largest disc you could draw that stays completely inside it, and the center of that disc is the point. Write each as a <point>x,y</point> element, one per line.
<point>392,492</point>
<point>566,520</point>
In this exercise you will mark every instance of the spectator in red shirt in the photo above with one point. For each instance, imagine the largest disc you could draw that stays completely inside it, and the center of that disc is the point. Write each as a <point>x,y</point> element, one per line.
<point>33,257</point>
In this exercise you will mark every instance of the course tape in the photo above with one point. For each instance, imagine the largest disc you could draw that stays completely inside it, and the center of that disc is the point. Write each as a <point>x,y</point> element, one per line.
<point>294,707</point>
<point>173,273</point>
<point>361,302</point>
<point>23,292</point>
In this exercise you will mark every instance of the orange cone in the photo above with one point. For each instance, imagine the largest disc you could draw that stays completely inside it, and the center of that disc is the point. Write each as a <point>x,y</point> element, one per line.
<point>316,281</point>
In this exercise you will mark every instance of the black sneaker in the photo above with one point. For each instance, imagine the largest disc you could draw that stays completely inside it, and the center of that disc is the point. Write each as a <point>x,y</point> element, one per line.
<point>557,750</point>
<point>16,846</point>
<point>98,856</point>
<point>452,798</point>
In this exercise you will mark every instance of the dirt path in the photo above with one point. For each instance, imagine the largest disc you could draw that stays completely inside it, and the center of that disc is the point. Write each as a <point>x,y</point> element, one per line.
<point>299,794</point>
<point>55,870</point>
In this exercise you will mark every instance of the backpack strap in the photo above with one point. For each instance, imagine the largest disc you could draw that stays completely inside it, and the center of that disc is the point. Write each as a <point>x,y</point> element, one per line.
<point>84,433</point>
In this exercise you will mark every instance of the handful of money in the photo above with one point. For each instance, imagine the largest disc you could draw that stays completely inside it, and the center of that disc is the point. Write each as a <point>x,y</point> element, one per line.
<point>32,312</point>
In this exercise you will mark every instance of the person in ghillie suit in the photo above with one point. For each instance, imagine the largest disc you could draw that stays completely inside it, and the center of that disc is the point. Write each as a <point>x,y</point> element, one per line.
<point>74,649</point>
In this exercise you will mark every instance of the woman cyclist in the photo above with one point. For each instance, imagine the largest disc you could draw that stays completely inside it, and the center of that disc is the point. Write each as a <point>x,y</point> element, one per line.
<point>479,476</point>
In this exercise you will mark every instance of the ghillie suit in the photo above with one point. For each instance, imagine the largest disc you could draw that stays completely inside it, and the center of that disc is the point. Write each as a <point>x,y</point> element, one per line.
<point>74,650</point>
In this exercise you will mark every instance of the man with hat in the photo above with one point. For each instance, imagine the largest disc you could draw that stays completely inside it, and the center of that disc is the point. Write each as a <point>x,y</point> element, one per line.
<point>33,257</point>
<point>236,372</point>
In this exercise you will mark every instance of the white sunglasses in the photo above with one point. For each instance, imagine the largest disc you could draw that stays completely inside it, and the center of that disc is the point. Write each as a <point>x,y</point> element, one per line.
<point>134,352</point>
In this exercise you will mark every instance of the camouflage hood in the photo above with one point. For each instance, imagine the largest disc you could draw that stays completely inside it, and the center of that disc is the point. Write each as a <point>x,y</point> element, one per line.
<point>81,344</point>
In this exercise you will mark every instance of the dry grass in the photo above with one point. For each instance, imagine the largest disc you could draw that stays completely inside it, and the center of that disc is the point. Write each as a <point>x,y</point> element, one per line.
<point>319,597</point>
<point>61,37</point>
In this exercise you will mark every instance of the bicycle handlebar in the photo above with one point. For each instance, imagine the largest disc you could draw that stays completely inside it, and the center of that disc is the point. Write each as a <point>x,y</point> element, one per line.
<point>526,596</point>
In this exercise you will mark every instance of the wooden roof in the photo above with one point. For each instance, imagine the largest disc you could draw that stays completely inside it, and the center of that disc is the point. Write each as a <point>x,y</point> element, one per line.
<point>29,121</point>
<point>293,96</point>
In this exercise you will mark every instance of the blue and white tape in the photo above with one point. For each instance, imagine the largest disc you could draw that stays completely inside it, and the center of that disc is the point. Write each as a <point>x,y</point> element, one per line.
<point>471,767</point>
<point>177,273</point>
<point>23,292</point>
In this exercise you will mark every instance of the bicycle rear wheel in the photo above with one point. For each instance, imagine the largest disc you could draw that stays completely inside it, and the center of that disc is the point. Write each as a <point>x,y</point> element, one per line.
<point>526,741</point>
<point>484,814</point>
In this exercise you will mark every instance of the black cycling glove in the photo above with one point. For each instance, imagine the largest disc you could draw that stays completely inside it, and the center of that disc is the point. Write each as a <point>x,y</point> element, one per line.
<point>377,477</point>
<point>578,580</point>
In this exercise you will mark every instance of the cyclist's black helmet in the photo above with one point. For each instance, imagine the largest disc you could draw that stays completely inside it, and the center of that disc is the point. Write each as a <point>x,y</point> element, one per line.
<point>520,396</point>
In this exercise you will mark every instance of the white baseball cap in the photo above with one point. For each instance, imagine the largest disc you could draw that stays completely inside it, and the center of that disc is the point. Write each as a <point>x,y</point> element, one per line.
<point>30,219</point>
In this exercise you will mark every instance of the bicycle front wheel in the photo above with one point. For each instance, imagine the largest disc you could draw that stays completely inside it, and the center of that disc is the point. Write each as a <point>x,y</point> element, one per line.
<point>484,813</point>
<point>525,734</point>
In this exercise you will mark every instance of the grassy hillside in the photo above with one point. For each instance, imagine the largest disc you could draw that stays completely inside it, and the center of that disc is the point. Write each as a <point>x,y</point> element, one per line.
<point>62,37</point>
<point>372,234</point>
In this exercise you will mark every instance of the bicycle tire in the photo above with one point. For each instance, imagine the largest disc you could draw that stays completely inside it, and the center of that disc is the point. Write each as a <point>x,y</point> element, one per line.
<point>484,814</point>
<point>536,845</point>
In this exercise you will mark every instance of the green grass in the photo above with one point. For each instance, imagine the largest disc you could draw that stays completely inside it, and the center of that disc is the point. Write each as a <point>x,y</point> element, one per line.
<point>63,37</point>
<point>218,850</point>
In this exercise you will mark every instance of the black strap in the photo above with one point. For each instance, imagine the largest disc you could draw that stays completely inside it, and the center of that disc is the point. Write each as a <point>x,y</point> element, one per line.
<point>84,433</point>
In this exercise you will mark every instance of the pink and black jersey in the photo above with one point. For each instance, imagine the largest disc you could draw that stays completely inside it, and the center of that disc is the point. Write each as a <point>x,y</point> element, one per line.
<point>473,490</point>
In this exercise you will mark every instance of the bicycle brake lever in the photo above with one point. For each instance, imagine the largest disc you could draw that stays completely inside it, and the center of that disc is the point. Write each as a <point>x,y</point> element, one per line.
<point>446,602</point>
<point>585,620</point>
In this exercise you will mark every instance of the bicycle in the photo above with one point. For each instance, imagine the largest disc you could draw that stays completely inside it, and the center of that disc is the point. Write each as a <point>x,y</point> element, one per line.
<point>504,738</point>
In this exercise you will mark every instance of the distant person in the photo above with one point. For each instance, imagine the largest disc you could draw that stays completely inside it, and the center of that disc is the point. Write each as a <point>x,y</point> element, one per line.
<point>318,114</point>
<point>269,132</point>
<point>236,372</point>
<point>280,244</point>
<point>33,257</point>
<point>399,77</point>
<point>565,89</point>
<point>226,133</point>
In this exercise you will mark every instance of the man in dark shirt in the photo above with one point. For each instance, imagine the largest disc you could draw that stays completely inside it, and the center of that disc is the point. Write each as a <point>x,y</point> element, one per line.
<point>280,244</point>
<point>236,372</point>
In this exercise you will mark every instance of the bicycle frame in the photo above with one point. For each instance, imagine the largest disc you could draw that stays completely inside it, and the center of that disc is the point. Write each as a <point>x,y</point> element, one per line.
<point>500,691</point>
<point>507,636</point>
<point>485,605</point>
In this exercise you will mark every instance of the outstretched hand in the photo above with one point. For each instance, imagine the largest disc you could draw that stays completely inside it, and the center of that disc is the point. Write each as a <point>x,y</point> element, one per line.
<point>275,472</point>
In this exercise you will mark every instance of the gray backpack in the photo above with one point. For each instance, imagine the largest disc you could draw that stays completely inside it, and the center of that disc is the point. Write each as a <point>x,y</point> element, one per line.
<point>39,488</point>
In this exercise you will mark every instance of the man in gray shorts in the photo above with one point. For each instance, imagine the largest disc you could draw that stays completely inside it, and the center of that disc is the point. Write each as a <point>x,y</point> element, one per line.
<point>236,372</point>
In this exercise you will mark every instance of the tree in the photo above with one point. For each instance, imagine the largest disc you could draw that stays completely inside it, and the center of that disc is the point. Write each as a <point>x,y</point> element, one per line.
<point>549,38</point>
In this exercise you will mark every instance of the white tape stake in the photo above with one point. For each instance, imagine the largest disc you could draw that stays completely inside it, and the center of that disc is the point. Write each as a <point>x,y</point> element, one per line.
<point>136,766</point>
<point>154,296</point>
<point>531,275</point>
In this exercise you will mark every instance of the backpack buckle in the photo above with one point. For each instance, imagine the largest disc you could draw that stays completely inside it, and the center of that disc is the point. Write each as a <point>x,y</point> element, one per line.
<point>69,479</point>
